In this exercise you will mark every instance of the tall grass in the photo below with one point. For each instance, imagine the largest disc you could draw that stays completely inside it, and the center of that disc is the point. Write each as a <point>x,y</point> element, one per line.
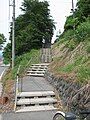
<point>24,61</point>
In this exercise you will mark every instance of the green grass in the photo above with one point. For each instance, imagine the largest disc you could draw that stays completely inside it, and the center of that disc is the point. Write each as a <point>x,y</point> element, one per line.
<point>84,73</point>
<point>81,68</point>
<point>24,61</point>
<point>77,41</point>
<point>70,67</point>
<point>67,68</point>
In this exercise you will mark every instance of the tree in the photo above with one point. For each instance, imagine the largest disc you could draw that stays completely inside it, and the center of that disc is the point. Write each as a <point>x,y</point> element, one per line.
<point>83,9</point>
<point>30,27</point>
<point>33,25</point>
<point>2,40</point>
<point>71,22</point>
<point>7,53</point>
<point>80,14</point>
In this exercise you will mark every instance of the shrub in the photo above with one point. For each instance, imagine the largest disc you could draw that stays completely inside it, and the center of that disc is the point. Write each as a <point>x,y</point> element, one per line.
<point>71,44</point>
<point>68,35</point>
<point>83,31</point>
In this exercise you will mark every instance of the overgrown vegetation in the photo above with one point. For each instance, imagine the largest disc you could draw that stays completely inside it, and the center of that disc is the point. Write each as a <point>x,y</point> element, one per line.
<point>74,45</point>
<point>80,34</point>
<point>2,39</point>
<point>24,61</point>
<point>31,27</point>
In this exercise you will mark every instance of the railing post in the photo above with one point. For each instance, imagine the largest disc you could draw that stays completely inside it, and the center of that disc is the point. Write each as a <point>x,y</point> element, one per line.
<point>16,87</point>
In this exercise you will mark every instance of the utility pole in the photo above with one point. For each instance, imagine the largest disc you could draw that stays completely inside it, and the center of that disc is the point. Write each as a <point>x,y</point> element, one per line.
<point>73,7</point>
<point>13,35</point>
<point>73,13</point>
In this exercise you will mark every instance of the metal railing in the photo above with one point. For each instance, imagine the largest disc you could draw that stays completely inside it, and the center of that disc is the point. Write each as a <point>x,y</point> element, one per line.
<point>19,75</point>
<point>16,87</point>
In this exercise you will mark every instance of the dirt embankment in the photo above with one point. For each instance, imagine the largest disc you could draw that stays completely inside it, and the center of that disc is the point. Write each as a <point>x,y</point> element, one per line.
<point>7,98</point>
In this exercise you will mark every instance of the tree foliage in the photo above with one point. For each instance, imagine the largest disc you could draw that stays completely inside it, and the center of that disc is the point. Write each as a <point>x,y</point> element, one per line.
<point>35,23</point>
<point>80,15</point>
<point>31,26</point>
<point>2,39</point>
<point>71,22</point>
<point>77,26</point>
<point>83,31</point>
<point>7,54</point>
<point>83,9</point>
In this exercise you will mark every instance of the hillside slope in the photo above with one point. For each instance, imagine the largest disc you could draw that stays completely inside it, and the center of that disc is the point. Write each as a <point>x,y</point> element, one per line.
<point>22,63</point>
<point>69,73</point>
<point>74,63</point>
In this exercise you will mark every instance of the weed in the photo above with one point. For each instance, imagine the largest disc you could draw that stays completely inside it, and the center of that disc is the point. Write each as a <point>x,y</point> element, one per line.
<point>84,73</point>
<point>88,49</point>
<point>22,61</point>
<point>67,68</point>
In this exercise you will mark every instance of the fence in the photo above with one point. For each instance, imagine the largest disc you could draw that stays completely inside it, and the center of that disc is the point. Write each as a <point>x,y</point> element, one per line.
<point>21,72</point>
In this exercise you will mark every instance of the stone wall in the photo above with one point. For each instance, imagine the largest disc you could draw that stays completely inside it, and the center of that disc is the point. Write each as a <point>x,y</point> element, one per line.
<point>73,95</point>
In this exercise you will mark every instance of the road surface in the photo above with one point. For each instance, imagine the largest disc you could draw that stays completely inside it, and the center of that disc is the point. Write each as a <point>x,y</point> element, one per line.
<point>2,70</point>
<point>35,84</point>
<point>43,115</point>
<point>31,84</point>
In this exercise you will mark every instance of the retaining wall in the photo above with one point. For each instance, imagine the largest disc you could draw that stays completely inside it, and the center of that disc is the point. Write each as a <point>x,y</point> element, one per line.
<point>74,96</point>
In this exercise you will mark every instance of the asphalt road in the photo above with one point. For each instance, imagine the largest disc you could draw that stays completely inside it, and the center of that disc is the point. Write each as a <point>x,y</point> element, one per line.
<point>2,69</point>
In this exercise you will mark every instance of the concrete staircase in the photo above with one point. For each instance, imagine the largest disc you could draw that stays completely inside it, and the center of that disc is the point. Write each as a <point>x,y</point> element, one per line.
<point>35,101</point>
<point>37,70</point>
<point>46,56</point>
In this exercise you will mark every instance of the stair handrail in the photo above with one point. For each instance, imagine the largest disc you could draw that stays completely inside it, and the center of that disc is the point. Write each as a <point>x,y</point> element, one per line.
<point>17,81</point>
<point>16,86</point>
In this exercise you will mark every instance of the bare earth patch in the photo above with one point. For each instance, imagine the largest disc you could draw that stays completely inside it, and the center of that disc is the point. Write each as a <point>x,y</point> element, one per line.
<point>7,100</point>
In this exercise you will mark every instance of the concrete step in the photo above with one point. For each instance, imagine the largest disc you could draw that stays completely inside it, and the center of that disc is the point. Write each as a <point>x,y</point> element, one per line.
<point>36,101</point>
<point>33,69</point>
<point>39,72</point>
<point>37,108</point>
<point>36,94</point>
<point>38,67</point>
<point>43,64</point>
<point>35,74</point>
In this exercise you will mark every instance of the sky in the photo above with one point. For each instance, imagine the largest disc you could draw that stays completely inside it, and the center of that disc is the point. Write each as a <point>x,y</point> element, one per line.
<point>59,10</point>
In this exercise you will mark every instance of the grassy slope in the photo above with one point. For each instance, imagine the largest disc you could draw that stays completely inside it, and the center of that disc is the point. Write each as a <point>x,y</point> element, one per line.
<point>24,61</point>
<point>75,63</point>
<point>8,80</point>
